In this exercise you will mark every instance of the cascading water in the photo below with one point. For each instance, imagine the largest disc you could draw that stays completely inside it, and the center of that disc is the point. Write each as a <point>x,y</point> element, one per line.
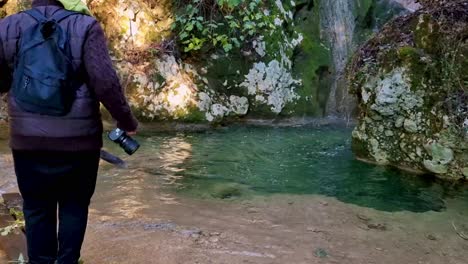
<point>338,26</point>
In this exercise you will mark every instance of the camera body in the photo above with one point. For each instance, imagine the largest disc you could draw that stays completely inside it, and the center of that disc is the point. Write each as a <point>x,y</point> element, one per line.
<point>127,143</point>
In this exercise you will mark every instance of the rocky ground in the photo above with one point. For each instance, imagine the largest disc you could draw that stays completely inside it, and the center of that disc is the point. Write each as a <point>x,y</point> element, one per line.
<point>277,229</point>
<point>129,224</point>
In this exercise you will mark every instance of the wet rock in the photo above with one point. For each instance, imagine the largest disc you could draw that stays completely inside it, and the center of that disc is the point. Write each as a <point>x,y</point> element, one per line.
<point>324,203</point>
<point>321,253</point>
<point>410,126</point>
<point>363,217</point>
<point>440,153</point>
<point>160,226</point>
<point>441,157</point>
<point>195,233</point>
<point>435,167</point>
<point>226,191</point>
<point>377,226</point>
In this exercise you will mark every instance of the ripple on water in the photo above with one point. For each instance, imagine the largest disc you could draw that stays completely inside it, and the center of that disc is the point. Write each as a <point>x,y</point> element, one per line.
<point>242,161</point>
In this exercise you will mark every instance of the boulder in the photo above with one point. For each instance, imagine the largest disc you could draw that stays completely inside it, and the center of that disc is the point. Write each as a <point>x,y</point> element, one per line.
<point>411,81</point>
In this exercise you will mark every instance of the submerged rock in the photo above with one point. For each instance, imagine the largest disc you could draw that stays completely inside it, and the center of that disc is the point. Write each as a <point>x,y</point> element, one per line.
<point>411,82</point>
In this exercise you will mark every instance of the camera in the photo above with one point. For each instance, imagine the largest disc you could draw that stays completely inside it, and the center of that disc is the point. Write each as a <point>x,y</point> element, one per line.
<point>128,144</point>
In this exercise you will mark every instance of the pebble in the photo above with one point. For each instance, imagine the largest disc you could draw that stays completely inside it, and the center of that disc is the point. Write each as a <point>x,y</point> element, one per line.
<point>252,211</point>
<point>215,234</point>
<point>214,239</point>
<point>363,217</point>
<point>381,227</point>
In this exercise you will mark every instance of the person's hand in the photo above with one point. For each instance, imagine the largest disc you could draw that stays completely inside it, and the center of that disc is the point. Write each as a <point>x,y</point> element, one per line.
<point>131,133</point>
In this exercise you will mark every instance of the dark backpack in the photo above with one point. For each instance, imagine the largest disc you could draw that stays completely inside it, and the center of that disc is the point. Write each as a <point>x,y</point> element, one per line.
<point>44,81</point>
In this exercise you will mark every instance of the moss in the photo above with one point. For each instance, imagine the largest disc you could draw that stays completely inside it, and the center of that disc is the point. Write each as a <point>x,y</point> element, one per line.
<point>427,35</point>
<point>408,53</point>
<point>193,115</point>
<point>430,49</point>
<point>258,110</point>
<point>226,191</point>
<point>410,58</point>
<point>231,68</point>
<point>363,7</point>
<point>312,65</point>
<point>360,148</point>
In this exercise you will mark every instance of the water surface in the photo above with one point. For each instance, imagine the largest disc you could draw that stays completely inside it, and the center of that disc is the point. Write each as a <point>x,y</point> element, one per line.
<point>238,162</point>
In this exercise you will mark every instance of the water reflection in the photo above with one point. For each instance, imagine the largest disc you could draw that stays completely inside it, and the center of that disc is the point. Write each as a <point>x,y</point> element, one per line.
<point>173,153</point>
<point>245,161</point>
<point>157,164</point>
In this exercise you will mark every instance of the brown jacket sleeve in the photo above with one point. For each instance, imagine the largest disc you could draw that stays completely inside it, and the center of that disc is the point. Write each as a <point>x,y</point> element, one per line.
<point>103,79</point>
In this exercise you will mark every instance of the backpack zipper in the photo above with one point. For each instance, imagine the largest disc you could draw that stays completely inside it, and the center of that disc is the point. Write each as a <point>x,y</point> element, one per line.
<point>26,83</point>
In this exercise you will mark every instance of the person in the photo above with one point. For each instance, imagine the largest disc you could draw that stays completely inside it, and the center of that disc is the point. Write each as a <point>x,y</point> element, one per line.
<point>56,158</point>
<point>76,5</point>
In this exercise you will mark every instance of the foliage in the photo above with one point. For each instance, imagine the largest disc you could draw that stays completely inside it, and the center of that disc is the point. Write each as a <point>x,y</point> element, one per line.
<point>18,224</point>
<point>226,24</point>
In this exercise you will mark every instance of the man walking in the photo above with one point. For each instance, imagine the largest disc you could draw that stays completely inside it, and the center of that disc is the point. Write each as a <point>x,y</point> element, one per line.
<point>56,147</point>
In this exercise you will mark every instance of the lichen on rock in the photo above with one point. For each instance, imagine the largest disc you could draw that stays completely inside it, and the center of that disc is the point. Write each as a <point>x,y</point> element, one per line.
<point>272,84</point>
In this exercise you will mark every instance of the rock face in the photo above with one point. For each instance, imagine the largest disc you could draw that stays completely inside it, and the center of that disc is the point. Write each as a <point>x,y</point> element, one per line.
<point>411,81</point>
<point>292,67</point>
<point>411,5</point>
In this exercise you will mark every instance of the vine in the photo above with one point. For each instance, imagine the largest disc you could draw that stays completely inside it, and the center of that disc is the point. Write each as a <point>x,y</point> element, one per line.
<point>226,24</point>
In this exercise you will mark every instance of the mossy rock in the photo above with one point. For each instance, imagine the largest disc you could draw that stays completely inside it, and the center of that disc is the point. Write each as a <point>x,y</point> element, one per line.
<point>412,74</point>
<point>226,191</point>
<point>312,64</point>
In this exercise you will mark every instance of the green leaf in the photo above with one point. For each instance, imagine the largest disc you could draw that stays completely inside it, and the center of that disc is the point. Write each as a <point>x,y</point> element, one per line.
<point>199,26</point>
<point>227,47</point>
<point>234,24</point>
<point>183,35</point>
<point>189,27</point>
<point>236,42</point>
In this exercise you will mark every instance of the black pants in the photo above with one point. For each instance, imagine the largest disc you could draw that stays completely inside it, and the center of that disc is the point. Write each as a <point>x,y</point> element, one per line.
<point>47,180</point>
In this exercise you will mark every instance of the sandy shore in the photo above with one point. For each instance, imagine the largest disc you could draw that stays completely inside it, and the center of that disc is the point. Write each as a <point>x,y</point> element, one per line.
<point>136,223</point>
<point>276,229</point>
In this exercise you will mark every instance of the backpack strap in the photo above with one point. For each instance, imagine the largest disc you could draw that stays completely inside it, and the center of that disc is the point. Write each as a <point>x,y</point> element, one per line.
<point>38,16</point>
<point>63,14</point>
<point>58,16</point>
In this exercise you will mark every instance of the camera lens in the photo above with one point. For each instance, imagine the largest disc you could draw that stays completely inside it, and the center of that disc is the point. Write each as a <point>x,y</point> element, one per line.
<point>129,145</point>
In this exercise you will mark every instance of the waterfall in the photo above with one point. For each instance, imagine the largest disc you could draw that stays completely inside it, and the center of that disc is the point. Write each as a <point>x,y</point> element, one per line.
<point>338,26</point>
